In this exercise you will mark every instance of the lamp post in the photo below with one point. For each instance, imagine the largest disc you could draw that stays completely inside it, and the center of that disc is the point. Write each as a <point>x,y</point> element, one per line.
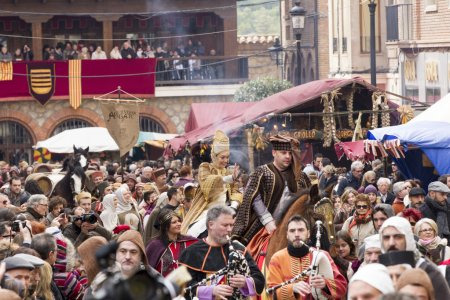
<point>275,52</point>
<point>373,63</point>
<point>298,13</point>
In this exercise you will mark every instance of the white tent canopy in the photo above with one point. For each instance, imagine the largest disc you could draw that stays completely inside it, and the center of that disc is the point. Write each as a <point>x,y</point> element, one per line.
<point>97,139</point>
<point>438,112</point>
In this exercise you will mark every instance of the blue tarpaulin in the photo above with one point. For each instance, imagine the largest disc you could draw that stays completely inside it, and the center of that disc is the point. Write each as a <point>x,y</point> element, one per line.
<point>430,132</point>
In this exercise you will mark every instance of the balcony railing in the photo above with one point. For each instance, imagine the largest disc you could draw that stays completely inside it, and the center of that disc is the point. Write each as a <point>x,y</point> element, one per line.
<point>201,70</point>
<point>399,22</point>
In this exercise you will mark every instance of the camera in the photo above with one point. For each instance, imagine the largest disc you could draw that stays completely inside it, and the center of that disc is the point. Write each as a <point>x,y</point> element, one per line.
<point>16,227</point>
<point>89,218</point>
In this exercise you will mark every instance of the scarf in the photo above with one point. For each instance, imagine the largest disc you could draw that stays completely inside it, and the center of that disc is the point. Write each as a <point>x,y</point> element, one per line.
<point>441,212</point>
<point>34,213</point>
<point>433,243</point>
<point>123,206</point>
<point>360,219</point>
<point>109,216</point>
<point>297,252</point>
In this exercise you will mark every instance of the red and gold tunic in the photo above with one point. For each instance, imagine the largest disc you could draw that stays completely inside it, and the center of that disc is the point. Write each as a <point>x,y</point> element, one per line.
<point>283,267</point>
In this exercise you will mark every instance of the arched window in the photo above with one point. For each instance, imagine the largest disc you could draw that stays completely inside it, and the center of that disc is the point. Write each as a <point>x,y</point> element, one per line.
<point>70,124</point>
<point>149,125</point>
<point>15,142</point>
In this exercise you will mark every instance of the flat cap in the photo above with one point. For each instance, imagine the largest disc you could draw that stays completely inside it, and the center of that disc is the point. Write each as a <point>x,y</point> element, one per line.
<point>417,191</point>
<point>12,263</point>
<point>437,186</point>
<point>34,260</point>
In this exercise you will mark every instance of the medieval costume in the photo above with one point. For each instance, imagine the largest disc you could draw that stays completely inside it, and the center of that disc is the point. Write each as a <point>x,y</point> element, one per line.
<point>162,252</point>
<point>291,261</point>
<point>203,260</point>
<point>126,207</point>
<point>270,192</point>
<point>216,186</point>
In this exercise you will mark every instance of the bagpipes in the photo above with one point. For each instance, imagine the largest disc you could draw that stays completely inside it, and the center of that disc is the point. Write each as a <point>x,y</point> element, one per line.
<point>237,264</point>
<point>320,266</point>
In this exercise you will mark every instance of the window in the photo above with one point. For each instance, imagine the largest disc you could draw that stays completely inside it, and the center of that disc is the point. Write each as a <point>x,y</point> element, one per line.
<point>430,6</point>
<point>335,45</point>
<point>433,94</point>
<point>70,124</point>
<point>411,92</point>
<point>15,142</point>
<point>344,45</point>
<point>149,125</point>
<point>364,18</point>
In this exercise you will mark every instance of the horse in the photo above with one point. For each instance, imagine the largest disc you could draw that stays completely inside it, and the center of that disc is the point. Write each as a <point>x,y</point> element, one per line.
<point>74,180</point>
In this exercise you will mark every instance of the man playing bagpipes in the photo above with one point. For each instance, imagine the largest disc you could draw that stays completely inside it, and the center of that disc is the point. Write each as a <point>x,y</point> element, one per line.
<point>220,268</point>
<point>303,272</point>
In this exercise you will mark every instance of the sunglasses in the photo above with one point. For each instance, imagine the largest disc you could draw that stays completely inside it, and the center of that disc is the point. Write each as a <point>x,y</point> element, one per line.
<point>362,206</point>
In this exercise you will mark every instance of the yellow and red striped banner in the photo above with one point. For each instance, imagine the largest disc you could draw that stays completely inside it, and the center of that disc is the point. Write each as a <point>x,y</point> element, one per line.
<point>6,70</point>
<point>75,83</point>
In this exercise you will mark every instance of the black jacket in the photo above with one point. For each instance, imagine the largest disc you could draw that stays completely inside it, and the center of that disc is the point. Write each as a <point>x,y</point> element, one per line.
<point>348,181</point>
<point>389,198</point>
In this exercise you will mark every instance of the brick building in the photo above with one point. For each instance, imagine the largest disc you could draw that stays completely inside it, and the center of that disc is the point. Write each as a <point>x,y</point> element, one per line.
<point>23,121</point>
<point>419,48</point>
<point>314,43</point>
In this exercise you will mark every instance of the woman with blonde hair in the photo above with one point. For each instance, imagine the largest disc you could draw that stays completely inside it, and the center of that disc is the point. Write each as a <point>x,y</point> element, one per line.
<point>43,288</point>
<point>430,244</point>
<point>347,205</point>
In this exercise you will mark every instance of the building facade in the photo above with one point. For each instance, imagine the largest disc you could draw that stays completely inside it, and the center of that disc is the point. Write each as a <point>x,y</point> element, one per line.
<point>419,48</point>
<point>314,62</point>
<point>108,23</point>
<point>349,40</point>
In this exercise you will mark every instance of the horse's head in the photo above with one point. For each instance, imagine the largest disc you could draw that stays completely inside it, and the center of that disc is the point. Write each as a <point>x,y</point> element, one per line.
<point>76,183</point>
<point>81,156</point>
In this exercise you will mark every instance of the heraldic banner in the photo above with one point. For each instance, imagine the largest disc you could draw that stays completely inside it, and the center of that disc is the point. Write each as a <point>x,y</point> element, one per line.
<point>122,121</point>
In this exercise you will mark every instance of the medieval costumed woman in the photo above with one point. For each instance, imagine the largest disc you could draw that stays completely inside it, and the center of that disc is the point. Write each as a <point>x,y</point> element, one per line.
<point>163,251</point>
<point>127,207</point>
<point>218,185</point>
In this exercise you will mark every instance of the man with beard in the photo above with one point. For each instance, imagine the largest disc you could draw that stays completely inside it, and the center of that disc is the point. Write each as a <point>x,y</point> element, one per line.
<point>211,254</point>
<point>396,235</point>
<point>17,196</point>
<point>297,257</point>
<point>416,197</point>
<point>270,190</point>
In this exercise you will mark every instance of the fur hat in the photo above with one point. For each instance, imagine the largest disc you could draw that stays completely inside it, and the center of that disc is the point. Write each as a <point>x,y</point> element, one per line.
<point>136,238</point>
<point>418,277</point>
<point>87,250</point>
<point>220,143</point>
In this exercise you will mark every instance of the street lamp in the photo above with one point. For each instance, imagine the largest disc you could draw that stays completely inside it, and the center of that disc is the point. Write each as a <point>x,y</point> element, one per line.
<point>373,63</point>
<point>298,14</point>
<point>275,51</point>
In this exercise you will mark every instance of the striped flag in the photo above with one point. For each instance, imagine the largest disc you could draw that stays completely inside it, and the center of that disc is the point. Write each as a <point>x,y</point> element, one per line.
<point>75,83</point>
<point>6,71</point>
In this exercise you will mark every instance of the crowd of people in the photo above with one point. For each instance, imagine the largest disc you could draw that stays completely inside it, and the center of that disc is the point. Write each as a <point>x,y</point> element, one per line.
<point>179,63</point>
<point>239,235</point>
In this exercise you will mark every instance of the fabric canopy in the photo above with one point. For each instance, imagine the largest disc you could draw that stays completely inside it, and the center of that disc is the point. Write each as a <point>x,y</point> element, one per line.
<point>97,139</point>
<point>430,131</point>
<point>277,103</point>
<point>352,150</point>
<point>203,114</point>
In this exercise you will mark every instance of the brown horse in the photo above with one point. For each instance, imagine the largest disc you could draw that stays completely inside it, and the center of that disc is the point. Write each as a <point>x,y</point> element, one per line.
<point>303,206</point>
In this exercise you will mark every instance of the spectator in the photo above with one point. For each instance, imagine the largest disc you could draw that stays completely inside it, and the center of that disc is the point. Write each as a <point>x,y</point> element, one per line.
<point>27,54</point>
<point>381,213</point>
<point>400,191</point>
<point>109,216</point>
<point>37,209</point>
<point>5,56</point>
<point>353,178</point>
<point>437,207</point>
<point>84,53</point>
<point>417,283</point>
<point>315,166</point>
<point>369,178</point>
<point>115,53</point>
<point>383,185</point>
<point>371,192</point>
<point>17,55</point>
<point>372,249</point>
<point>19,269</point>
<point>433,246</point>
<point>127,52</point>
<point>58,52</point>
<point>327,181</point>
<point>348,204</point>
<point>370,282</point>
<point>56,207</point>
<point>344,254</point>
<point>15,193</point>
<point>416,197</point>
<point>99,53</point>
<point>445,179</point>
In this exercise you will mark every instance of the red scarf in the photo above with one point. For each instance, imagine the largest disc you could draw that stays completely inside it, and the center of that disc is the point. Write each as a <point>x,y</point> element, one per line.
<point>360,219</point>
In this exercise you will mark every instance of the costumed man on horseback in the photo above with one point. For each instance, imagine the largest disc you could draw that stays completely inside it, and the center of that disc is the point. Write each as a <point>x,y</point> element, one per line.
<point>270,191</point>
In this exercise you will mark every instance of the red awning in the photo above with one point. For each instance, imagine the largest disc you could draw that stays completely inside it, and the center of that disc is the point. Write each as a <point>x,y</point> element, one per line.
<point>203,114</point>
<point>278,103</point>
<point>352,150</point>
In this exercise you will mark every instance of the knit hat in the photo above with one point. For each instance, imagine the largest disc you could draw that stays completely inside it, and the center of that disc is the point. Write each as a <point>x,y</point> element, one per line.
<point>136,238</point>
<point>416,277</point>
<point>372,241</point>
<point>402,225</point>
<point>86,250</point>
<point>370,189</point>
<point>220,142</point>
<point>375,275</point>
